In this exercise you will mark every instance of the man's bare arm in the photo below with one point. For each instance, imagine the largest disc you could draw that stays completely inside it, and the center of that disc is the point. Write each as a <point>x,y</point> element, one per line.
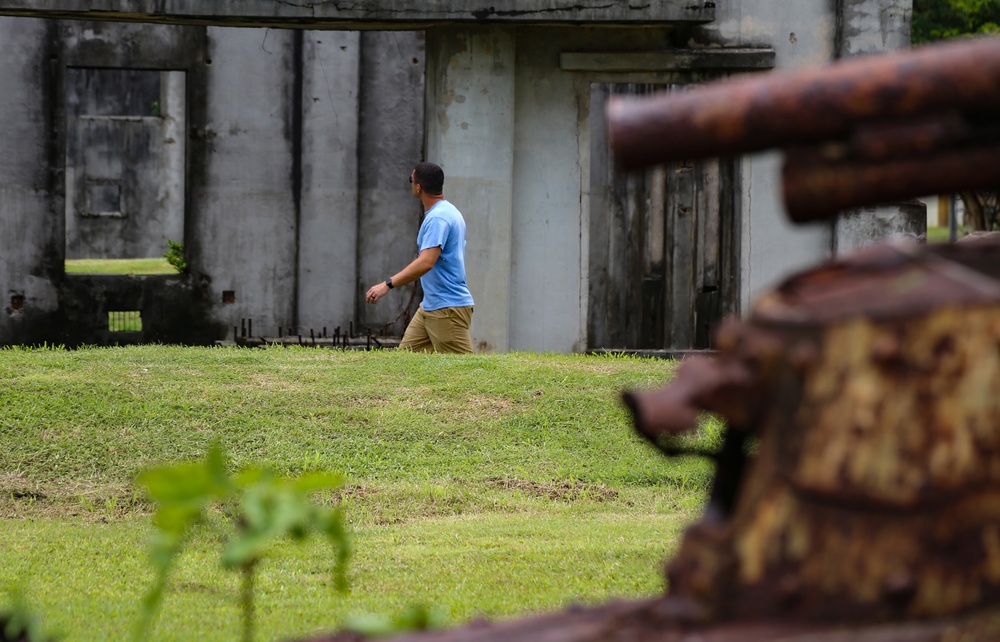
<point>416,269</point>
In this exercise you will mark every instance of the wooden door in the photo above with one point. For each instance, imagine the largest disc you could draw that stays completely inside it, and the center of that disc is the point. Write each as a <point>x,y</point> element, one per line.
<point>663,245</point>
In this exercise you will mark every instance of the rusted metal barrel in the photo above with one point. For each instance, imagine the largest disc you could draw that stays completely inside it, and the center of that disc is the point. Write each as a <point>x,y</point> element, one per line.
<point>806,106</point>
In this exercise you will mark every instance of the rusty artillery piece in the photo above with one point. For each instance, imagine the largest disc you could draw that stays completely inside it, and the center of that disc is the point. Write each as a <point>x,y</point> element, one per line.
<point>857,491</point>
<point>871,384</point>
<point>871,387</point>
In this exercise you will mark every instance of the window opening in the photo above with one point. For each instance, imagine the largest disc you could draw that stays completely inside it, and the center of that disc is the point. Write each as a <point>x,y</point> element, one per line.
<point>124,321</point>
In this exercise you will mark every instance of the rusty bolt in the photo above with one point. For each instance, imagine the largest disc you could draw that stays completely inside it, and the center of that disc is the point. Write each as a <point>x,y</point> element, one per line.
<point>900,588</point>
<point>886,349</point>
<point>803,356</point>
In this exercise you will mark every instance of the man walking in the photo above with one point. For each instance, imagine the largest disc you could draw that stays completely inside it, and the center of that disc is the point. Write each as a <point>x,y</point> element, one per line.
<point>442,321</point>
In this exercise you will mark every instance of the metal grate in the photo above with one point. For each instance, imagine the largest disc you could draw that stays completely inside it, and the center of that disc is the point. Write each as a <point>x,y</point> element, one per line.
<point>125,321</point>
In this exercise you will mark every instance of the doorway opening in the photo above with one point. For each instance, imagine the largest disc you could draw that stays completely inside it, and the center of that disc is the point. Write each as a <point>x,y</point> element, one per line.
<point>664,244</point>
<point>125,167</point>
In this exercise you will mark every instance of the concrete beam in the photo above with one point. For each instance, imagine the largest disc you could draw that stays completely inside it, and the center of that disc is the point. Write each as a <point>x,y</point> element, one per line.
<point>716,59</point>
<point>373,14</point>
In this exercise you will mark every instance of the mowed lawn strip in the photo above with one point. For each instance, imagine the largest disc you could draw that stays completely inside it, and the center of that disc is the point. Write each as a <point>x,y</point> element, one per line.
<point>483,485</point>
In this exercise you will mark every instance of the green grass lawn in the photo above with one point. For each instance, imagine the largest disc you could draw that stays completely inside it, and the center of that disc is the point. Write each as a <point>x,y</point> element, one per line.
<point>481,485</point>
<point>939,234</point>
<point>119,266</point>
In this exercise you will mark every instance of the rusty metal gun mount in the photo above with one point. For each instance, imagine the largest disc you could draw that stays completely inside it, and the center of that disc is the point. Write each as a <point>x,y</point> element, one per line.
<point>873,386</point>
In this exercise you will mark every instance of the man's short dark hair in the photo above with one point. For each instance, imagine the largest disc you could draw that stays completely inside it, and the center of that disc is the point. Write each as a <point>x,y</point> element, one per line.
<point>430,177</point>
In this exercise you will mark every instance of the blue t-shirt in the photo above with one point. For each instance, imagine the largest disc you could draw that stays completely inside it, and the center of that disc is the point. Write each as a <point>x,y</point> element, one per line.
<point>444,286</point>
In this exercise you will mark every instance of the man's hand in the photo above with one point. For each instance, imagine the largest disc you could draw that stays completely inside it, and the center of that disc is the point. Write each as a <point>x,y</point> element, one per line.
<point>416,269</point>
<point>376,292</point>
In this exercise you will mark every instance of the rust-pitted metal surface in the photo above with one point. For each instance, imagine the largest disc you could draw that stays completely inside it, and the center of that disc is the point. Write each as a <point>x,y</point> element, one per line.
<point>817,188</point>
<point>874,495</point>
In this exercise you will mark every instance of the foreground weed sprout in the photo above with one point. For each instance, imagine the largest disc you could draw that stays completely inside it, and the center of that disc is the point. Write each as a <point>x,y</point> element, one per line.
<point>267,507</point>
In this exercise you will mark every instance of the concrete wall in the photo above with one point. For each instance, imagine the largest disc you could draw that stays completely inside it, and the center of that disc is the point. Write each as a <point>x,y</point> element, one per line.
<point>244,213</point>
<point>30,186</point>
<point>866,225</point>
<point>300,143</point>
<point>872,26</point>
<point>515,142</point>
<point>551,212</point>
<point>275,230</point>
<point>390,141</point>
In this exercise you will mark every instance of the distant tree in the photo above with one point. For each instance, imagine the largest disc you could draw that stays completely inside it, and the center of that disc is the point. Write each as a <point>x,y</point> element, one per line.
<point>943,19</point>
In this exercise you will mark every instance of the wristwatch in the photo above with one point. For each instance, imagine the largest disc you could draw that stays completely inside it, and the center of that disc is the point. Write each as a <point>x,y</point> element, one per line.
<point>388,283</point>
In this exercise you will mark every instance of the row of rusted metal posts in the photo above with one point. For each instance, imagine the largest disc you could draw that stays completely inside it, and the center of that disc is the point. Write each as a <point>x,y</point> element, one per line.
<point>243,336</point>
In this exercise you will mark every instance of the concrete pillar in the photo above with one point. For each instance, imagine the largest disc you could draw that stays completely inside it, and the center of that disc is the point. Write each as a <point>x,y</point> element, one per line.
<point>327,269</point>
<point>31,227</point>
<point>866,225</point>
<point>551,224</point>
<point>173,105</point>
<point>872,26</point>
<point>867,27</point>
<point>390,143</point>
<point>244,217</point>
<point>470,133</point>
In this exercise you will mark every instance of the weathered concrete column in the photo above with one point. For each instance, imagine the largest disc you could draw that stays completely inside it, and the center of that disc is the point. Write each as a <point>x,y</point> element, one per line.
<point>31,231</point>
<point>173,105</point>
<point>470,133</point>
<point>390,143</point>
<point>327,265</point>
<point>244,210</point>
<point>866,225</point>
<point>870,27</point>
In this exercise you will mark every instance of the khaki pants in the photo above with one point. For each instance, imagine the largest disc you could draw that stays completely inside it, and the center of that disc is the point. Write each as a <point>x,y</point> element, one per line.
<point>444,330</point>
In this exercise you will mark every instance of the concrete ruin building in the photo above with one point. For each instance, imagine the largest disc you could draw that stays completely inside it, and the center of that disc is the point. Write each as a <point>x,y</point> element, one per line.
<point>274,141</point>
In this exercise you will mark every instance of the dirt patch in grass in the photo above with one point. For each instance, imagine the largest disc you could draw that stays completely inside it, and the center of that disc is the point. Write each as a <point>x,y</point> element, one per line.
<point>354,491</point>
<point>485,406</point>
<point>264,381</point>
<point>570,491</point>
<point>21,498</point>
<point>373,401</point>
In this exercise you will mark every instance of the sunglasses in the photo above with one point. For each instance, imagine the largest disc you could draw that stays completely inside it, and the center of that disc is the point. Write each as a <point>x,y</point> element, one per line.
<point>410,179</point>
